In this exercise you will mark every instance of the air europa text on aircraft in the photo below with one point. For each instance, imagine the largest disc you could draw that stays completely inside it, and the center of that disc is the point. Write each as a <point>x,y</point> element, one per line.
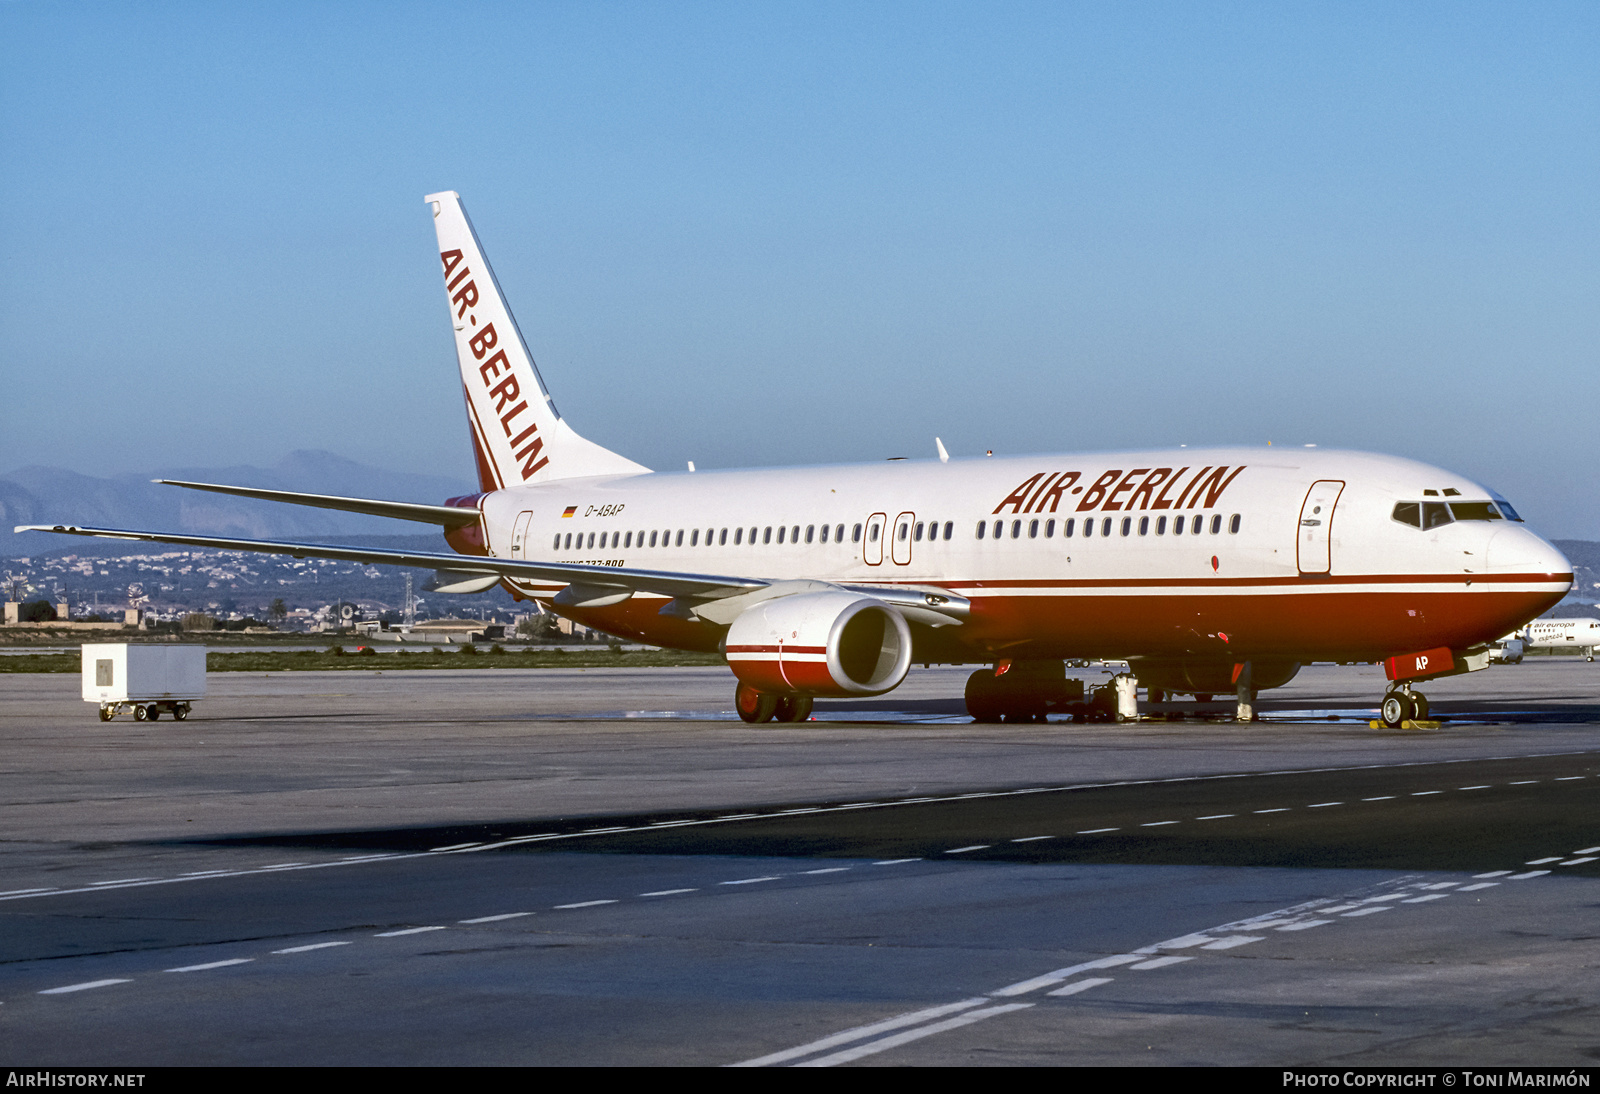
<point>1141,488</point>
<point>504,389</point>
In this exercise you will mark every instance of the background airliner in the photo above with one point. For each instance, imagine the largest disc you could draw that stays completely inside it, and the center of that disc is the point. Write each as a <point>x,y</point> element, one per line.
<point>1207,570</point>
<point>1581,634</point>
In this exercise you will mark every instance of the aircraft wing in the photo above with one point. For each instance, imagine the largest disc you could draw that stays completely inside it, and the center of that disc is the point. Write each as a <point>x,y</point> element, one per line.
<point>585,584</point>
<point>448,516</point>
<point>650,581</point>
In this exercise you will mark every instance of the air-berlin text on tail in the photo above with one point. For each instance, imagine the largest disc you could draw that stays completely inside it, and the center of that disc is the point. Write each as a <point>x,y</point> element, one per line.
<point>1116,489</point>
<point>495,373</point>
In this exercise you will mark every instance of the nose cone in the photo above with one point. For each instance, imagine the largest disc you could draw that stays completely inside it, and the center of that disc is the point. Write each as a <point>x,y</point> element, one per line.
<point>1515,550</point>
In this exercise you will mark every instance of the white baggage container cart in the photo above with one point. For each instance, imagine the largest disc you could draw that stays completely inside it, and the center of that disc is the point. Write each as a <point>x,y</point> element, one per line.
<point>148,680</point>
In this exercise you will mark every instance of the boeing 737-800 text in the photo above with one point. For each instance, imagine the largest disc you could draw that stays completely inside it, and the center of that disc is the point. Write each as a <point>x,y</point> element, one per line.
<point>1207,570</point>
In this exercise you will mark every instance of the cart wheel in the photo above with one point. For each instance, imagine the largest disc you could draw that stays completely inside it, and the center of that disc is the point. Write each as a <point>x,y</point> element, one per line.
<point>141,714</point>
<point>181,711</point>
<point>105,714</point>
<point>154,711</point>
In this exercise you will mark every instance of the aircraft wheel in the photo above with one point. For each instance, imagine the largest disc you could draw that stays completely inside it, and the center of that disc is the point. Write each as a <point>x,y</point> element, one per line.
<point>755,706</point>
<point>105,714</point>
<point>181,711</point>
<point>1396,709</point>
<point>793,708</point>
<point>141,714</point>
<point>1419,707</point>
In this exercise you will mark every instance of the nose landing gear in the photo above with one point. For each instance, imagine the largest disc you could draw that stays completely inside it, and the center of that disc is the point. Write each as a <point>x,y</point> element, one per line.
<point>1403,705</point>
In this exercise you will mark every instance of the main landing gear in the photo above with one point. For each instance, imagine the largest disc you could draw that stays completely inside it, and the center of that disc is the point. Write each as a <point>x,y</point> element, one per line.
<point>1403,705</point>
<point>768,706</point>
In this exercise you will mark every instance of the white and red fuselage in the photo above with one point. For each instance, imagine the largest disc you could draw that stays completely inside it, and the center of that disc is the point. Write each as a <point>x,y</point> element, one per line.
<point>1192,554</point>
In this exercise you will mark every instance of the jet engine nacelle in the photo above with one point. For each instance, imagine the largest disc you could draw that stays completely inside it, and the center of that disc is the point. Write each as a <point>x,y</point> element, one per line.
<point>825,643</point>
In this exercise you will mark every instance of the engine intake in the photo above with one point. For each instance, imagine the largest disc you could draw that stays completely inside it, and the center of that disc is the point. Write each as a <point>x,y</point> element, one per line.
<point>825,643</point>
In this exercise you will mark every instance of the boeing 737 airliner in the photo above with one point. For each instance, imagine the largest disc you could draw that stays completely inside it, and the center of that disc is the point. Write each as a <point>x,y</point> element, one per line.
<point>1207,570</point>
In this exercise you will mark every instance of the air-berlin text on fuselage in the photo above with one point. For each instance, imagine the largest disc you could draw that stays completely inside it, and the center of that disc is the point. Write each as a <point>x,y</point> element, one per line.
<point>1116,489</point>
<point>504,389</point>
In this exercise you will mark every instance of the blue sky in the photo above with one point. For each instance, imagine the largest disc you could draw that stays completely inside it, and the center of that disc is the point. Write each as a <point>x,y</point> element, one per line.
<point>788,233</point>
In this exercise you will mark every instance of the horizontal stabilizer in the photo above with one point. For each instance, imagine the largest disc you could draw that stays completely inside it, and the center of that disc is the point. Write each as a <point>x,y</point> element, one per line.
<point>447,516</point>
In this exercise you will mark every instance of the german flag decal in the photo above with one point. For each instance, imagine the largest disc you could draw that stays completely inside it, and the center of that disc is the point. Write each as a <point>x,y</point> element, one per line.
<point>571,509</point>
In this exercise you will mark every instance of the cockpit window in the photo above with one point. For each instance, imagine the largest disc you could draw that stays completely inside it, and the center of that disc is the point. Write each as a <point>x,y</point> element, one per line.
<point>1505,507</point>
<point>1474,510</point>
<point>1435,514</point>
<point>1408,512</point>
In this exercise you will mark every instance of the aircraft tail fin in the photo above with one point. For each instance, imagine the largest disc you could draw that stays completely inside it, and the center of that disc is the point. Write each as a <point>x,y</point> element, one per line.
<point>517,435</point>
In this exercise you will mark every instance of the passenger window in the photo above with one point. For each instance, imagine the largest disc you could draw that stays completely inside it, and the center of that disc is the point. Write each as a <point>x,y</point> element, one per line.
<point>983,527</point>
<point>1016,529</point>
<point>1197,524</point>
<point>694,538</point>
<point>1435,514</point>
<point>794,534</point>
<point>1177,526</point>
<point>824,533</point>
<point>738,536</point>
<point>838,534</point>
<point>568,546</point>
<point>722,538</point>
<point>1049,529</point>
<point>1066,528</point>
<point>766,537</point>
<point>557,546</point>
<point>855,536</point>
<point>872,534</point>
<point>1216,524</point>
<point>811,530</point>
<point>917,534</point>
<point>1233,524</point>
<point>752,536</point>
<point>652,539</point>
<point>1474,510</point>
<point>1105,527</point>
<point>999,528</point>
<point>950,527</point>
<point>781,530</point>
<point>1127,525</point>
<point>1161,526</point>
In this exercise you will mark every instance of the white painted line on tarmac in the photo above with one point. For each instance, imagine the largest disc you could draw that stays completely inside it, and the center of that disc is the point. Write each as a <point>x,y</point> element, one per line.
<point>313,946</point>
<point>280,866</point>
<point>1493,873</point>
<point>1424,793</point>
<point>1161,962</point>
<point>1485,786</point>
<point>1523,782</point>
<point>213,965</point>
<point>669,892</point>
<point>827,870</point>
<point>502,917</point>
<point>898,1039</point>
<point>25,892</point>
<point>1524,876</point>
<point>1542,861</point>
<point>1579,861</point>
<point>1231,942</point>
<point>1480,885</point>
<point>1586,850</point>
<point>1030,839</point>
<point>752,880</point>
<point>1424,899</point>
<point>1156,824</point>
<point>1366,911</point>
<point>863,1032</point>
<point>584,904</point>
<point>1569,778</point>
<point>895,861</point>
<point>1323,805</point>
<point>1081,985</point>
<point>121,881</point>
<point>1307,925</point>
<point>1283,809</point>
<point>1442,885</point>
<point>83,987</point>
<point>408,930</point>
<point>455,847</point>
<point>1096,831</point>
<point>1380,798</point>
<point>1023,987</point>
<point>964,850</point>
<point>1216,816</point>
